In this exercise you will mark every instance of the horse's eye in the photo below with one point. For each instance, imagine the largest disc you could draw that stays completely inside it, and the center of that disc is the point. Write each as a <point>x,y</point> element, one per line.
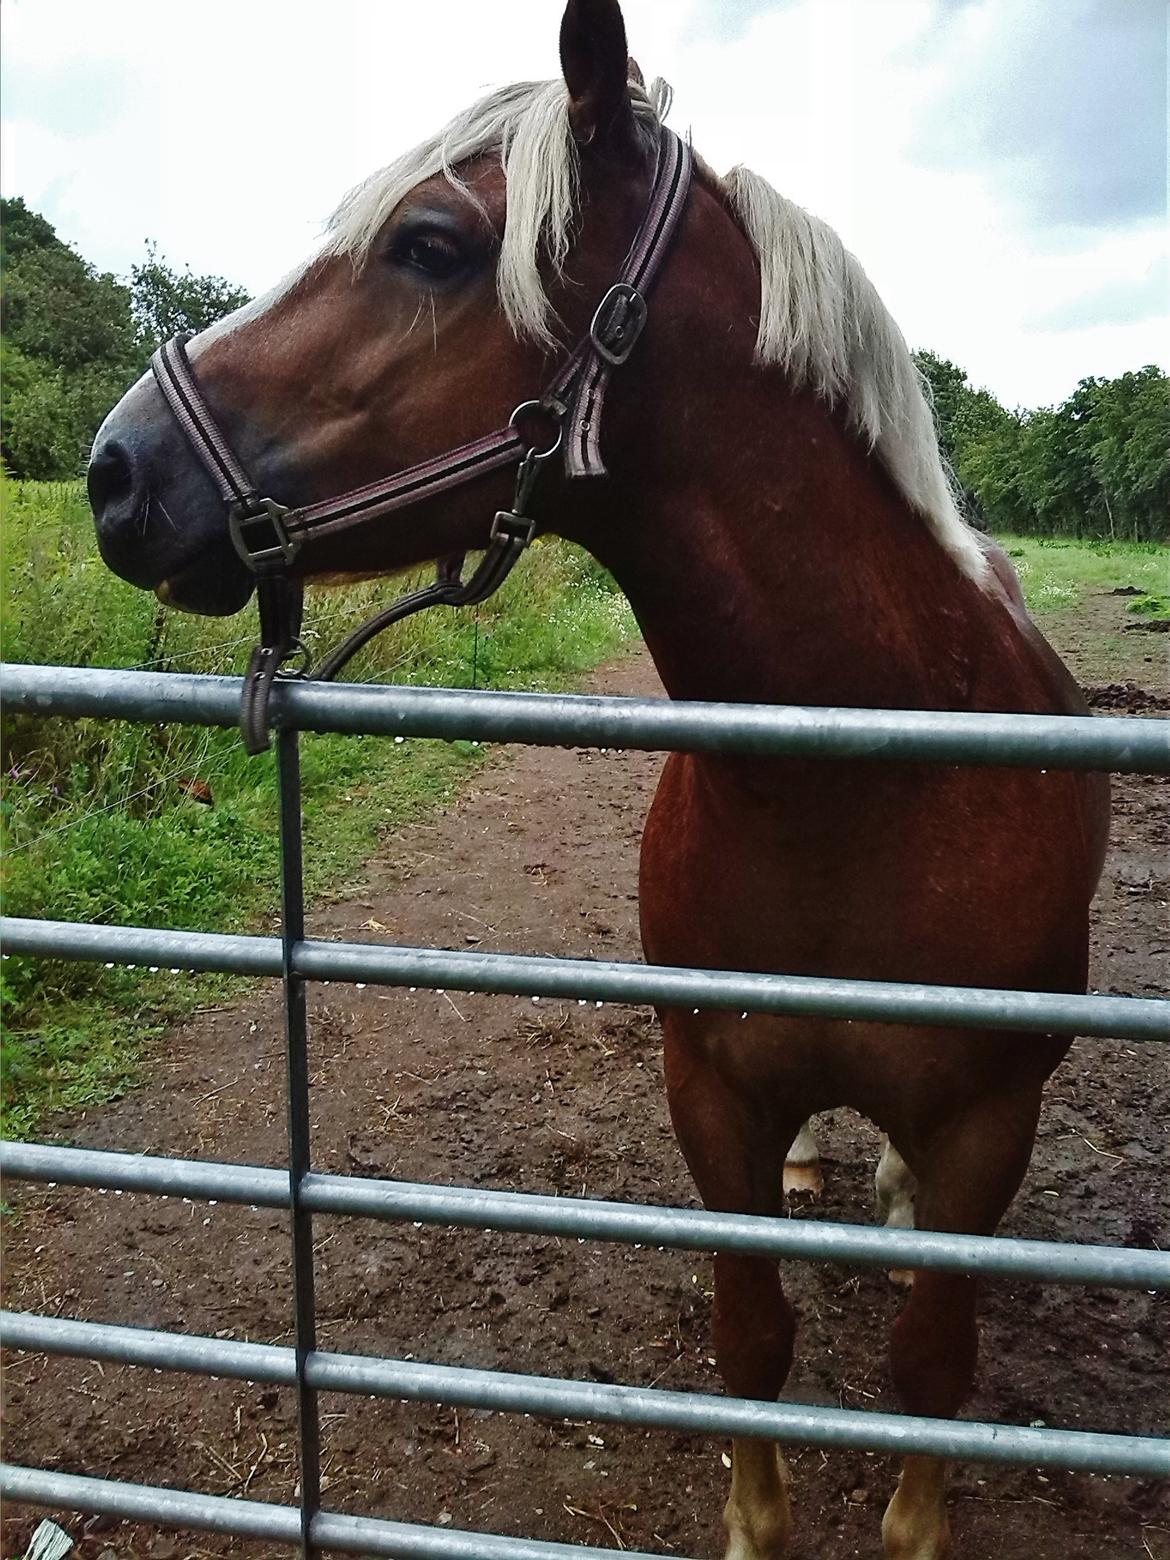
<point>434,254</point>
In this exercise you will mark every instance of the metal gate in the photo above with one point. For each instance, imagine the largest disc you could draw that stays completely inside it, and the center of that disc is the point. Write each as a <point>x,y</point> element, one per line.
<point>1126,744</point>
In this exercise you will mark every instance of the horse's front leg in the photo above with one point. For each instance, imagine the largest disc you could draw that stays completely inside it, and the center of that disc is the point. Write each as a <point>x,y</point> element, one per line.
<point>735,1148</point>
<point>969,1168</point>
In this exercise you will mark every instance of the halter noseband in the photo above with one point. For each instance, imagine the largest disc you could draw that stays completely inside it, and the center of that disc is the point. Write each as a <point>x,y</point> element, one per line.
<point>269,536</point>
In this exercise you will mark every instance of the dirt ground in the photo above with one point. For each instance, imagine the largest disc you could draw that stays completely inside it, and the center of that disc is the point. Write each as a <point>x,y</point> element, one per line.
<point>554,1097</point>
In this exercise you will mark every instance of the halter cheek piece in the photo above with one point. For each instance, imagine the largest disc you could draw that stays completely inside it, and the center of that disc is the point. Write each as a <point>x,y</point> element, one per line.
<point>269,536</point>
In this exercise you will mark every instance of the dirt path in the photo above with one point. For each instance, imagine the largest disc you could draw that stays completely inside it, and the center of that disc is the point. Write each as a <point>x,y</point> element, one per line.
<point>555,1097</point>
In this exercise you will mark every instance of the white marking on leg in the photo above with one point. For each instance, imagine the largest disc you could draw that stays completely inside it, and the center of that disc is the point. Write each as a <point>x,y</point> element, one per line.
<point>802,1167</point>
<point>895,1186</point>
<point>757,1515</point>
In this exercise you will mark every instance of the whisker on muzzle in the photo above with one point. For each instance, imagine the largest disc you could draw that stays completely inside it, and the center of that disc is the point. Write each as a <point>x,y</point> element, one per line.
<point>166,514</point>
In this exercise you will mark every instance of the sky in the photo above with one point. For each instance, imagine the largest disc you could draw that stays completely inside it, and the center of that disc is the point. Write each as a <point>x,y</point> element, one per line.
<point>998,166</point>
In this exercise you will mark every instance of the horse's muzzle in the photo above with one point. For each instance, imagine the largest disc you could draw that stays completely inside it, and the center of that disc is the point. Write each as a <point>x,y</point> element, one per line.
<point>159,522</point>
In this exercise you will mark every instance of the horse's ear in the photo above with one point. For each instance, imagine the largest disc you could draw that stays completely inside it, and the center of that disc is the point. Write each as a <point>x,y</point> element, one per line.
<point>595,61</point>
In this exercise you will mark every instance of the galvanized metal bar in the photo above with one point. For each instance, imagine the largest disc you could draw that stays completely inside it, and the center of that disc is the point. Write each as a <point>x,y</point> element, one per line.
<point>332,1530</point>
<point>686,1229</point>
<point>150,1348</point>
<point>147,947</point>
<point>811,996</point>
<point>296,1033</point>
<point>888,1002</point>
<point>1124,743</point>
<point>696,1413</point>
<point>96,1168</point>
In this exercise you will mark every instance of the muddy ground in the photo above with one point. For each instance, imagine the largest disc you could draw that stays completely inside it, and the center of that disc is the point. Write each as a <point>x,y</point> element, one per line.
<point>552,1097</point>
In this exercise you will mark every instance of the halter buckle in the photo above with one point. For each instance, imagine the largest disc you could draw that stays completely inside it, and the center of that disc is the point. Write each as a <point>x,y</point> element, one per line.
<point>268,545</point>
<point>510,527</point>
<point>618,323</point>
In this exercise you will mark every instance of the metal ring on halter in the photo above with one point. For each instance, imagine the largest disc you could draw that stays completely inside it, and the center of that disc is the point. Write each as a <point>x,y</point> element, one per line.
<point>545,411</point>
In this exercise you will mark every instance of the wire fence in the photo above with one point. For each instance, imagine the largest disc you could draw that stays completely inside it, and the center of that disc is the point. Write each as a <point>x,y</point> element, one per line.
<point>872,736</point>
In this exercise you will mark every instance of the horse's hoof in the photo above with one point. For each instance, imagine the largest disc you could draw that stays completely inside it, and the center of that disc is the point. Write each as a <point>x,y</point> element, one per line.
<point>742,1548</point>
<point>803,1180</point>
<point>925,1542</point>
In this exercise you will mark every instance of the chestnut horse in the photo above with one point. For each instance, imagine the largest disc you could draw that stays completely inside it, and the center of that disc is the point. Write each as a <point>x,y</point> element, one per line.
<point>775,509</point>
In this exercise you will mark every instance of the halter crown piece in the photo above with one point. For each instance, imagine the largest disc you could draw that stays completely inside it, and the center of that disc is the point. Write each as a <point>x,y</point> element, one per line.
<point>269,536</point>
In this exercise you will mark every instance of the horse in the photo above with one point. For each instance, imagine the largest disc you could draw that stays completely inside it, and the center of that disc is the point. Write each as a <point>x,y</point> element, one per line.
<point>768,493</point>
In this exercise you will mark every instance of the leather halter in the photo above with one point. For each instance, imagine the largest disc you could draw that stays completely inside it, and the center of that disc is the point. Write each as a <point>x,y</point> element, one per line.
<point>269,536</point>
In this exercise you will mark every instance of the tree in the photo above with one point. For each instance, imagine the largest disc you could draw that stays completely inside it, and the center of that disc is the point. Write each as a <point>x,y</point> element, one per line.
<point>1130,451</point>
<point>947,386</point>
<point>39,436</point>
<point>991,471</point>
<point>68,350</point>
<point>969,421</point>
<point>1055,476</point>
<point>1097,465</point>
<point>76,338</point>
<point>167,303</point>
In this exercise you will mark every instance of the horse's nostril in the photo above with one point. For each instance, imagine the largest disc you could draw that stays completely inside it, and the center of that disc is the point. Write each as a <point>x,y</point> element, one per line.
<point>110,479</point>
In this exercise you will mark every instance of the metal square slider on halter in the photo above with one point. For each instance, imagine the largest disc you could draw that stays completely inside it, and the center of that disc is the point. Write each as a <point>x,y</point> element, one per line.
<point>270,536</point>
<point>260,536</point>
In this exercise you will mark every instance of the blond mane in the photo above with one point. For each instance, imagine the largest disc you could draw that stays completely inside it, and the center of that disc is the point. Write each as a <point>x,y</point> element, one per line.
<point>821,321</point>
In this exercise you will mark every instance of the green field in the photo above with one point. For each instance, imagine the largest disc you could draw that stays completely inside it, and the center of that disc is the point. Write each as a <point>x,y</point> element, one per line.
<point>101,820</point>
<point>1057,572</point>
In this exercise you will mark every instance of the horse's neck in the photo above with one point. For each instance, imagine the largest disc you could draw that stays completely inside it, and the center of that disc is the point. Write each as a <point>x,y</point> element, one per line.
<point>798,575</point>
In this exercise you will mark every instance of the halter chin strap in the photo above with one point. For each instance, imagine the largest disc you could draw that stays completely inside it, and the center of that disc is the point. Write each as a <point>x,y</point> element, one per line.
<point>269,536</point>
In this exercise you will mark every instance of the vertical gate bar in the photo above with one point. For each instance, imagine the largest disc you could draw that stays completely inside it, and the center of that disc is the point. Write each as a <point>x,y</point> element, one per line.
<point>292,929</point>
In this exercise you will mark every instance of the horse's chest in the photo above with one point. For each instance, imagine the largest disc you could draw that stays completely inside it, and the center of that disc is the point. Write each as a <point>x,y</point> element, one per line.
<point>760,881</point>
<point>849,870</point>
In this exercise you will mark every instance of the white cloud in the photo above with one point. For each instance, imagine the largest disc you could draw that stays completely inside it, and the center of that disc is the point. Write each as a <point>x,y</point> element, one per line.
<point>228,133</point>
<point>1131,295</point>
<point>1063,104</point>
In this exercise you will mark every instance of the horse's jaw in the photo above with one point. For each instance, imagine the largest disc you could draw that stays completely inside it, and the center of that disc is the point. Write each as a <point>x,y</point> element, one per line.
<point>215,584</point>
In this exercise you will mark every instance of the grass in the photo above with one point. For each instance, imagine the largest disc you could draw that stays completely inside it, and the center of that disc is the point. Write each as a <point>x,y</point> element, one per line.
<point>102,821</point>
<point>1151,607</point>
<point>1057,572</point>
